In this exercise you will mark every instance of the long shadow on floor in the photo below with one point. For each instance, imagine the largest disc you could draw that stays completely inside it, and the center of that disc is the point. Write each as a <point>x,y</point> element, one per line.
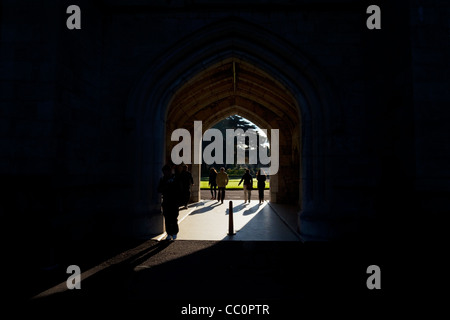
<point>206,207</point>
<point>232,271</point>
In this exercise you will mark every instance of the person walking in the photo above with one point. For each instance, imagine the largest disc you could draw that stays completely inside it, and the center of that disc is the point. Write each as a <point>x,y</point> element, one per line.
<point>170,188</point>
<point>213,183</point>
<point>248,185</point>
<point>186,182</point>
<point>222,181</point>
<point>261,178</point>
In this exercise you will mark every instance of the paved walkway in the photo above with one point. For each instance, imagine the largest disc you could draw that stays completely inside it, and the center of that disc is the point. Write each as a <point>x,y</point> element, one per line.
<point>235,194</point>
<point>209,220</point>
<point>162,277</point>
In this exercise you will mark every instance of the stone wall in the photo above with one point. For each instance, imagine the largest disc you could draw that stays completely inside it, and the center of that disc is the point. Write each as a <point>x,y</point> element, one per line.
<point>71,125</point>
<point>430,49</point>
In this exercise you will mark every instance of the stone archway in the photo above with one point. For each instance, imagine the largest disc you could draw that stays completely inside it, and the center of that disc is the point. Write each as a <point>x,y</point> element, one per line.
<point>294,80</point>
<point>233,86</point>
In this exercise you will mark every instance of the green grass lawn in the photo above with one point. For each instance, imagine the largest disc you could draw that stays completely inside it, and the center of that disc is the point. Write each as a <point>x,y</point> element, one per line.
<point>232,184</point>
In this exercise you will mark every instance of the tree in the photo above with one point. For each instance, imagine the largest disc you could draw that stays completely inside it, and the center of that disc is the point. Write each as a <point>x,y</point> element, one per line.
<point>232,122</point>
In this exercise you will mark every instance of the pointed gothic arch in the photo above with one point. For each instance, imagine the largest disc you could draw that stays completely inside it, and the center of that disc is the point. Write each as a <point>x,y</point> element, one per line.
<point>312,107</point>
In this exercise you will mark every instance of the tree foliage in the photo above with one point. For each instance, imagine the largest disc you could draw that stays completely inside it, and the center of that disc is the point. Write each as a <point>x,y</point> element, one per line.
<point>232,122</point>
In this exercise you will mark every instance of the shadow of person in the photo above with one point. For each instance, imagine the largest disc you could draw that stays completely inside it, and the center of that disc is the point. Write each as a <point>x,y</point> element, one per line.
<point>251,210</point>
<point>238,208</point>
<point>205,208</point>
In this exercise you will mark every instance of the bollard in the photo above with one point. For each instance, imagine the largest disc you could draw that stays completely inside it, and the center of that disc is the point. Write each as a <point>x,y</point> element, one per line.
<point>230,220</point>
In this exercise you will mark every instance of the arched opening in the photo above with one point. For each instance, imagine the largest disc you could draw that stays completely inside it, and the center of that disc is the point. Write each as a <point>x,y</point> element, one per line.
<point>249,150</point>
<point>169,96</point>
<point>234,86</point>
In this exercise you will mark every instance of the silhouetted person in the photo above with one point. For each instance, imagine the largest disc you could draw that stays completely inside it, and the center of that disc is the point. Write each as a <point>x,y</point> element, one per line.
<point>261,178</point>
<point>213,183</point>
<point>222,181</point>
<point>186,182</point>
<point>170,187</point>
<point>248,185</point>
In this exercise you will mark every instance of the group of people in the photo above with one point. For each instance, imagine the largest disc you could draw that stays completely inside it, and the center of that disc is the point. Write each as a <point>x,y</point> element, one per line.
<point>219,180</point>
<point>175,187</point>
